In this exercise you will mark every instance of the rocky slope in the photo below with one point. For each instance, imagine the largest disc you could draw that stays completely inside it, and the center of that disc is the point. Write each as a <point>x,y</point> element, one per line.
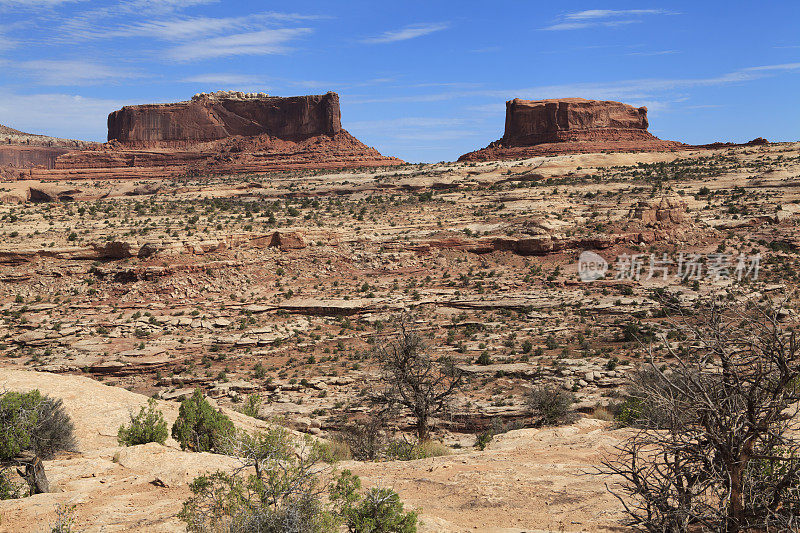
<point>528,480</point>
<point>570,125</point>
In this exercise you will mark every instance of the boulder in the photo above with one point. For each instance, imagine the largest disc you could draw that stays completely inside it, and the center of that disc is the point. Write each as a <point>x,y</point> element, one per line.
<point>664,211</point>
<point>113,250</point>
<point>288,240</point>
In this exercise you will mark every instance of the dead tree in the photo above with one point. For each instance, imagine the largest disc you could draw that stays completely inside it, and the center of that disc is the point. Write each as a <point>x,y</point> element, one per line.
<point>34,474</point>
<point>412,379</point>
<point>716,444</point>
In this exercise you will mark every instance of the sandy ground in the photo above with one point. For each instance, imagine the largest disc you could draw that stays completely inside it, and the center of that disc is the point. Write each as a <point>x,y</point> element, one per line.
<point>527,480</point>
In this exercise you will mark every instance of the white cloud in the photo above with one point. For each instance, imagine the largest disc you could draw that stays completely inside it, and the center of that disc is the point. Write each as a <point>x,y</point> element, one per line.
<point>440,131</point>
<point>181,29</point>
<point>6,43</point>
<point>252,43</point>
<point>164,5</point>
<point>784,66</point>
<point>580,25</point>
<point>609,18</point>
<point>59,115</point>
<point>655,53</point>
<point>591,14</point>
<point>29,4</point>
<point>72,72</point>
<point>409,32</point>
<point>627,90</point>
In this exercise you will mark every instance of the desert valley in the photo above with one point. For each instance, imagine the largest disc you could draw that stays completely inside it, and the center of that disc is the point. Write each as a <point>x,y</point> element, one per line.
<point>248,247</point>
<point>410,267</point>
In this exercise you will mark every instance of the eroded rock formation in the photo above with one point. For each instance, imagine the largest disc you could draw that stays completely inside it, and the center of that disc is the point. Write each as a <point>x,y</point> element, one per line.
<point>570,125</point>
<point>223,132</point>
<point>210,117</point>
<point>19,150</point>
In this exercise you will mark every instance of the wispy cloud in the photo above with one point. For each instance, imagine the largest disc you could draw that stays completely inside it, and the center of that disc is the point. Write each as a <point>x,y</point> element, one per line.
<point>164,6</point>
<point>227,80</point>
<point>654,53</point>
<point>72,72</point>
<point>409,32</point>
<point>33,4</point>
<point>6,42</point>
<point>591,14</point>
<point>631,89</point>
<point>783,66</point>
<point>609,18</point>
<point>561,26</point>
<point>416,129</point>
<point>179,28</point>
<point>264,42</point>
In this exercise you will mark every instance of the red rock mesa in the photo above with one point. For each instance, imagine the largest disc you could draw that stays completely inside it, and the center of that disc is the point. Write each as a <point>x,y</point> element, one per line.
<point>570,125</point>
<point>222,132</point>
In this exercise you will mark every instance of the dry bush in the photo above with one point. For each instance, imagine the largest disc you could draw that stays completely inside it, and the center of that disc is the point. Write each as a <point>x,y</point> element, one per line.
<point>721,452</point>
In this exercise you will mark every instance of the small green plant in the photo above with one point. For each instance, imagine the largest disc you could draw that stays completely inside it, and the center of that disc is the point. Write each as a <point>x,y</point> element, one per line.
<point>483,439</point>
<point>8,489</point>
<point>65,519</point>
<point>403,450</point>
<point>199,427</point>
<point>252,405</point>
<point>147,426</point>
<point>332,451</point>
<point>483,359</point>
<point>379,510</point>
<point>551,406</point>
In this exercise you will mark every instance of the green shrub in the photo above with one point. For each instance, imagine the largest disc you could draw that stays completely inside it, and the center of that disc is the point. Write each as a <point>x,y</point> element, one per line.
<point>200,427</point>
<point>482,440</point>
<point>278,491</point>
<point>30,422</point>
<point>378,511</point>
<point>483,359</point>
<point>147,426</point>
<point>8,489</point>
<point>551,406</point>
<point>252,405</point>
<point>65,519</point>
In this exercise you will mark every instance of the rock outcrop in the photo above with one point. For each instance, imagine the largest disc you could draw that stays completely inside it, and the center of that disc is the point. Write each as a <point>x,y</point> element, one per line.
<point>221,133</point>
<point>210,117</point>
<point>19,150</point>
<point>666,211</point>
<point>570,125</point>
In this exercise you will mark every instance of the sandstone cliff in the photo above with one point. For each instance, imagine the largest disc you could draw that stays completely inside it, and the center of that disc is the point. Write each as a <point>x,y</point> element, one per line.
<point>222,132</point>
<point>569,125</point>
<point>210,117</point>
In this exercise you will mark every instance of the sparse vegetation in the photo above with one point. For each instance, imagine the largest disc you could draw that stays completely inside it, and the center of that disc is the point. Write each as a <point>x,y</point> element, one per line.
<point>721,453</point>
<point>551,407</point>
<point>201,428</point>
<point>147,426</point>
<point>30,422</point>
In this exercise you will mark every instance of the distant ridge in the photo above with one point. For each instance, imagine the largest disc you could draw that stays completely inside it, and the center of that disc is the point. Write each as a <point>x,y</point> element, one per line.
<point>5,130</point>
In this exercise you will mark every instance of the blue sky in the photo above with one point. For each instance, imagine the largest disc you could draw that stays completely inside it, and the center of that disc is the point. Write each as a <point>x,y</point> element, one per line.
<point>425,81</point>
